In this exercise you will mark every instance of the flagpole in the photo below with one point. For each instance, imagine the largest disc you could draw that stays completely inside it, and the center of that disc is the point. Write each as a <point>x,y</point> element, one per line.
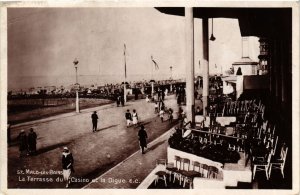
<point>125,99</point>
<point>152,67</point>
<point>152,81</point>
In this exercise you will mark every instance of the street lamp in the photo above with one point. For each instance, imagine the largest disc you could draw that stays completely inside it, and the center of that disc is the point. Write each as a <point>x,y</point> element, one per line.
<point>171,79</point>
<point>75,62</point>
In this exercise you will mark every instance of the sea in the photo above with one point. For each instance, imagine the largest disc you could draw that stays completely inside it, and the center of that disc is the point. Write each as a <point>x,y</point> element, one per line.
<point>27,82</point>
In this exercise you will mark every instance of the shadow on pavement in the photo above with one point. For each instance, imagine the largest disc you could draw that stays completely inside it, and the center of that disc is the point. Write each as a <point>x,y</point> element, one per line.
<point>52,147</point>
<point>106,127</point>
<point>93,174</point>
<point>156,145</point>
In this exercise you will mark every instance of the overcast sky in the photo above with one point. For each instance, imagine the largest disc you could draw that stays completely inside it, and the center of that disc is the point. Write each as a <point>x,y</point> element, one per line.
<point>43,42</point>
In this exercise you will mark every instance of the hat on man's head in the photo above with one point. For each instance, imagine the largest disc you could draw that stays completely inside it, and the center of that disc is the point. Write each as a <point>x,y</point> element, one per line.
<point>22,131</point>
<point>66,148</point>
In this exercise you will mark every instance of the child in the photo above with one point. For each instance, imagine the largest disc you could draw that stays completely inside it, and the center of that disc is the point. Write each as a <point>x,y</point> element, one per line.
<point>128,118</point>
<point>155,108</point>
<point>147,99</point>
<point>161,115</point>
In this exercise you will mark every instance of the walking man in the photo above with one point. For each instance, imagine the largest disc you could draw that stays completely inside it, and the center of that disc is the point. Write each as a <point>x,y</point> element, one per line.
<point>143,138</point>
<point>32,142</point>
<point>23,147</point>
<point>67,164</point>
<point>94,121</point>
<point>128,118</point>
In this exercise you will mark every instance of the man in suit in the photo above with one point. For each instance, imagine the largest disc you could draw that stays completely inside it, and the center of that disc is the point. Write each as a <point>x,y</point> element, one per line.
<point>143,138</point>
<point>94,121</point>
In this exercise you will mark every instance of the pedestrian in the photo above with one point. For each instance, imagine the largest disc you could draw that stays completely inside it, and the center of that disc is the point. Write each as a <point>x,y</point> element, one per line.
<point>155,108</point>
<point>159,95</point>
<point>94,121</point>
<point>162,106</point>
<point>179,99</point>
<point>135,118</point>
<point>143,138</point>
<point>180,111</point>
<point>32,142</point>
<point>170,112</point>
<point>128,118</point>
<point>211,112</point>
<point>23,147</point>
<point>161,115</point>
<point>147,99</point>
<point>118,100</point>
<point>67,164</point>
<point>122,100</point>
<point>198,111</point>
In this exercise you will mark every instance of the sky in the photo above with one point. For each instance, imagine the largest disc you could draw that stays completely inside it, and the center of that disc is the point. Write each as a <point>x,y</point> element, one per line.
<point>43,43</point>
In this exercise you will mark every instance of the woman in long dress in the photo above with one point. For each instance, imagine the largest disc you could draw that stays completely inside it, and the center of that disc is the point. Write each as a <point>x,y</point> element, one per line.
<point>134,118</point>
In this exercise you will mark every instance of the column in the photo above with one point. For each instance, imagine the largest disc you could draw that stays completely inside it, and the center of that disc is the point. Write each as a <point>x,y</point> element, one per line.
<point>189,35</point>
<point>125,92</point>
<point>205,69</point>
<point>77,101</point>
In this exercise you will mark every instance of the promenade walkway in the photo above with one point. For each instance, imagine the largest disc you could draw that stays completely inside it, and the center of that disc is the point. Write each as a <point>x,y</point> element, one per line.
<point>94,153</point>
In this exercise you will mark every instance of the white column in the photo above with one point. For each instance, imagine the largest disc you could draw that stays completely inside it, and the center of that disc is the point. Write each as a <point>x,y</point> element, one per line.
<point>125,99</point>
<point>152,90</point>
<point>205,69</point>
<point>189,35</point>
<point>77,102</point>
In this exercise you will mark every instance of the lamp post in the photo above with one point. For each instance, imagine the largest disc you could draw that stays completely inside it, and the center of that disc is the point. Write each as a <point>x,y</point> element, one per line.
<point>75,62</point>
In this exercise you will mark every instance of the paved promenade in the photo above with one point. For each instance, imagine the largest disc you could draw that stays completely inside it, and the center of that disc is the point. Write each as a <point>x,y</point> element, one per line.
<point>94,153</point>
<point>132,171</point>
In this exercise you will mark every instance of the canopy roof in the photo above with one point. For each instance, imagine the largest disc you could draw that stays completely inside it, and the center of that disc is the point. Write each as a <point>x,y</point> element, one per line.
<point>260,22</point>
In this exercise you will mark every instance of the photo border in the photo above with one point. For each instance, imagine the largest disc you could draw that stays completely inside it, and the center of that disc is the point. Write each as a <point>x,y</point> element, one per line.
<point>295,89</point>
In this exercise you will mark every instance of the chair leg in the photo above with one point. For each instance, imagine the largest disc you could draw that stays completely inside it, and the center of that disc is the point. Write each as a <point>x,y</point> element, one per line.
<point>254,170</point>
<point>180,178</point>
<point>266,170</point>
<point>270,170</point>
<point>282,172</point>
<point>175,174</point>
<point>165,180</point>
